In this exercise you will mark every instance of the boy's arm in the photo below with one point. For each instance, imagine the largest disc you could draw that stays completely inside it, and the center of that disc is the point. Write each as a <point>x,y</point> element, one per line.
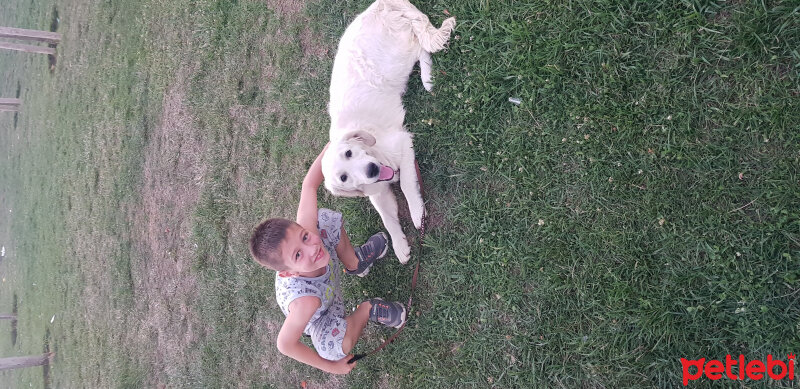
<point>307,208</point>
<point>300,312</point>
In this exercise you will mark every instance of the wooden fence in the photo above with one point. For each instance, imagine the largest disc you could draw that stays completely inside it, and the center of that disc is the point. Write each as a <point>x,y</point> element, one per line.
<point>29,35</point>
<point>12,105</point>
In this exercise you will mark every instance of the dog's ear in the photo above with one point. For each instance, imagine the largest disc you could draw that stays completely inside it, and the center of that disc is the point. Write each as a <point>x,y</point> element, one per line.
<point>360,136</point>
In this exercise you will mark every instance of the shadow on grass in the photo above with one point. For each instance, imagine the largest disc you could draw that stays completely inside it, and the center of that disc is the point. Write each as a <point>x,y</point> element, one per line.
<point>16,114</point>
<point>51,59</point>
<point>55,20</point>
<point>46,367</point>
<point>14,323</point>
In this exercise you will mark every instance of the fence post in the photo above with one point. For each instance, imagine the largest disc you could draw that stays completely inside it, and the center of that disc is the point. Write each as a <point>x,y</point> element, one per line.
<point>12,105</point>
<point>28,48</point>
<point>27,361</point>
<point>33,35</point>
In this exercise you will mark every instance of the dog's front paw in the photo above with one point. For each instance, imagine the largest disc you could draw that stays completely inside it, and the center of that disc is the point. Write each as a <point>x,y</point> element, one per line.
<point>417,215</point>
<point>401,250</point>
<point>428,85</point>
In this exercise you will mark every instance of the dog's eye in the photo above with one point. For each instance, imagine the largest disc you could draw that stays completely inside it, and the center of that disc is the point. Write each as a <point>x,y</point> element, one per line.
<point>343,177</point>
<point>348,154</point>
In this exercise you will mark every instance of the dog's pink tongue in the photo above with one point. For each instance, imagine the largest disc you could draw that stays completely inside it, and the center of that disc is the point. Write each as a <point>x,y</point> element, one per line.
<point>386,173</point>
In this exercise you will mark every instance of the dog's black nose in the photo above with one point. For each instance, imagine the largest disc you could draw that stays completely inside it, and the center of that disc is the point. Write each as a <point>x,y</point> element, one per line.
<point>372,170</point>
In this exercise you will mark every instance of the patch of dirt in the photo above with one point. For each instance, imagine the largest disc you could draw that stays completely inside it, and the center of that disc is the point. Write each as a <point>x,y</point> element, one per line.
<point>722,16</point>
<point>164,286</point>
<point>386,382</point>
<point>248,116</point>
<point>292,11</point>
<point>311,44</point>
<point>287,8</point>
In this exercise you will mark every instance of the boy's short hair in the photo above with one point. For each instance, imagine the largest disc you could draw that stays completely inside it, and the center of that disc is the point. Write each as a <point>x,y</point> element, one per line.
<point>266,240</point>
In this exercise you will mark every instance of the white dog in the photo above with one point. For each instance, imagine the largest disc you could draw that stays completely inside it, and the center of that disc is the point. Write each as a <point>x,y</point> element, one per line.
<point>370,148</point>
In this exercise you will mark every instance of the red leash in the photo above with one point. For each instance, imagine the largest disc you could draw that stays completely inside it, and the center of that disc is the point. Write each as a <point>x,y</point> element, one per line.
<point>413,284</point>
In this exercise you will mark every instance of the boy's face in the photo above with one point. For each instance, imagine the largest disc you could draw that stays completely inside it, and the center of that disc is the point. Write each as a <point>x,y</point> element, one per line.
<point>302,252</point>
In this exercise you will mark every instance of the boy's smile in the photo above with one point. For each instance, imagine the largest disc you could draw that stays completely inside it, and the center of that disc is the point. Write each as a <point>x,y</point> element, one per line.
<point>303,253</point>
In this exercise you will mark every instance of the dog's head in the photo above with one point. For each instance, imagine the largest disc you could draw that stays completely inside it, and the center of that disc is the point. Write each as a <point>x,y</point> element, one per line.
<point>351,169</point>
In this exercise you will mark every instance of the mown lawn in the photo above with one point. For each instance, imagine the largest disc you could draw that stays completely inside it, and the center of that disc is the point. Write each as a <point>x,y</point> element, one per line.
<point>640,205</point>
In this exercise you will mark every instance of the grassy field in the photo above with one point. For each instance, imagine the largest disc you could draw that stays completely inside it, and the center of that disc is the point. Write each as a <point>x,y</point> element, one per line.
<point>640,205</point>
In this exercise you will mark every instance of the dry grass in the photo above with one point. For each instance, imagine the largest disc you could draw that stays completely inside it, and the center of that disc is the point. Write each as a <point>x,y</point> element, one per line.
<point>188,121</point>
<point>174,170</point>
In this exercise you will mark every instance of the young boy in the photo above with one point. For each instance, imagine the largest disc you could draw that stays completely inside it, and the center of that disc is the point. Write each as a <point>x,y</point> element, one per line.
<point>306,256</point>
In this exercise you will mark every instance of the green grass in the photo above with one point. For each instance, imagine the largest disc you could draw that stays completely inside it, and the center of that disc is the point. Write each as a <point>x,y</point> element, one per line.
<point>639,206</point>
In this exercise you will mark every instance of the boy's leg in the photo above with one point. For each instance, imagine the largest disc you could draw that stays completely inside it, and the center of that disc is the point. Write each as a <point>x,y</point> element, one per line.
<point>358,260</point>
<point>355,326</point>
<point>392,314</point>
<point>344,249</point>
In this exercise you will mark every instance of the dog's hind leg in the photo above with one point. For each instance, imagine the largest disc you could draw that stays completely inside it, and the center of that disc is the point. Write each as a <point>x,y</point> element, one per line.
<point>425,69</point>
<point>432,39</point>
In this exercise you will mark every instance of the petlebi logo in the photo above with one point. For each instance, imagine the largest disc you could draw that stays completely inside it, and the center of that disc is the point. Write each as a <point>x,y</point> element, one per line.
<point>755,369</point>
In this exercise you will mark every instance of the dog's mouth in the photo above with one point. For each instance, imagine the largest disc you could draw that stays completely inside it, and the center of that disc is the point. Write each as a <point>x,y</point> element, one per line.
<point>386,173</point>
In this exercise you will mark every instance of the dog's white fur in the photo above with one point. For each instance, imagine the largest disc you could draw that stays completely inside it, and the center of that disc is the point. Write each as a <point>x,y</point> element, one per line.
<point>375,57</point>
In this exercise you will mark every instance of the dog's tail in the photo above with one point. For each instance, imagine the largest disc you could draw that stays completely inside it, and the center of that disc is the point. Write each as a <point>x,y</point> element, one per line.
<point>431,39</point>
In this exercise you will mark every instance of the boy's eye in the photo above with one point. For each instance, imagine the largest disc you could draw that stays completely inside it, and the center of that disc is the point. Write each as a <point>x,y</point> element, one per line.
<point>343,177</point>
<point>305,236</point>
<point>348,154</point>
<point>297,256</point>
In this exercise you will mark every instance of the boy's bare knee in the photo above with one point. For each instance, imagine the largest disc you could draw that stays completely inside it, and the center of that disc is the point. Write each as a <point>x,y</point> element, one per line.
<point>347,345</point>
<point>355,326</point>
<point>283,347</point>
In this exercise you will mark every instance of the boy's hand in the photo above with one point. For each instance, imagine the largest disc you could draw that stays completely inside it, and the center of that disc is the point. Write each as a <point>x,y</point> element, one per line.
<point>341,366</point>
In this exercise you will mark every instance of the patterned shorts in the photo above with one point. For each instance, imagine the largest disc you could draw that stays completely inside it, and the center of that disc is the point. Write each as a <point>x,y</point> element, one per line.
<point>327,333</point>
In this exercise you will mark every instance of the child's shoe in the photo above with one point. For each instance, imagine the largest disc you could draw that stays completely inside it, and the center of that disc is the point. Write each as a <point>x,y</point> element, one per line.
<point>392,314</point>
<point>376,247</point>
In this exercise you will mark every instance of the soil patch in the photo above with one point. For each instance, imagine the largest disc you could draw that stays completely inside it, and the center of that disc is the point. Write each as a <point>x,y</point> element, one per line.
<point>165,288</point>
<point>293,12</point>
